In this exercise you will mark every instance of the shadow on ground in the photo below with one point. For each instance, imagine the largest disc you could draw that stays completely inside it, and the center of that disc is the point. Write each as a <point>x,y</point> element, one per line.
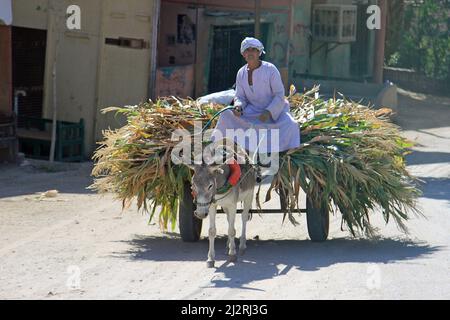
<point>422,111</point>
<point>435,188</point>
<point>421,157</point>
<point>267,259</point>
<point>40,176</point>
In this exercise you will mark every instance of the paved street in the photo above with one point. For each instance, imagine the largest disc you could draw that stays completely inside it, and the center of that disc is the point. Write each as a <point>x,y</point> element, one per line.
<point>79,245</point>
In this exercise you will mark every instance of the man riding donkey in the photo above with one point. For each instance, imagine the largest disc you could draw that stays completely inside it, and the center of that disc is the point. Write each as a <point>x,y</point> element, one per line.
<point>260,123</point>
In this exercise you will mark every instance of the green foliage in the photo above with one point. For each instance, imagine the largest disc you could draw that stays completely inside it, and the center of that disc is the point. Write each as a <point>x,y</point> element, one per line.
<point>351,159</point>
<point>421,40</point>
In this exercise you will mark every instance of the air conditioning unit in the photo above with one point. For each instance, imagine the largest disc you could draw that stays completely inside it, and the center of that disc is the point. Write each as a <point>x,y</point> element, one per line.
<point>334,23</point>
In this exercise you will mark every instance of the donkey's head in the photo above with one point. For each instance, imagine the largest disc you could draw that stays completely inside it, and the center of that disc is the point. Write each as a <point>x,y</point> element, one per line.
<point>204,187</point>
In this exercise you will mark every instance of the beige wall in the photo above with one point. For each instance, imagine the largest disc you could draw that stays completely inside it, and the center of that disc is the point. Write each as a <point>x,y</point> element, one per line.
<point>90,74</point>
<point>123,73</point>
<point>76,65</point>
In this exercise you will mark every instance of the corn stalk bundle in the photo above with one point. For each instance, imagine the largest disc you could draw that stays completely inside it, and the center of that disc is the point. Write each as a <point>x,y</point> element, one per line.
<point>351,159</point>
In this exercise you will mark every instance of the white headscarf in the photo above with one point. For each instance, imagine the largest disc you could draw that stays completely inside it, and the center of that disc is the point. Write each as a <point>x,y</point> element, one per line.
<point>252,43</point>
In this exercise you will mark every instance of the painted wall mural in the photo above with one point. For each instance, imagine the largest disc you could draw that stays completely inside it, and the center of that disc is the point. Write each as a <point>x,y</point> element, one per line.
<point>175,81</point>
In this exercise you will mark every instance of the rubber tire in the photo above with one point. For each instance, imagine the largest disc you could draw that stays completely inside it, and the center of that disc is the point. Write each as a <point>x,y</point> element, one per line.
<point>189,225</point>
<point>318,220</point>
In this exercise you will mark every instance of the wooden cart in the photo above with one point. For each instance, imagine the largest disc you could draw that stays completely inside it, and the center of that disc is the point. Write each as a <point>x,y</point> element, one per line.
<point>190,226</point>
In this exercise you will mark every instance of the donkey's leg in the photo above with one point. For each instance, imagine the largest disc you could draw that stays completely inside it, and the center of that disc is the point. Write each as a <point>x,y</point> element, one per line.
<point>231,216</point>
<point>245,216</point>
<point>212,235</point>
<point>227,212</point>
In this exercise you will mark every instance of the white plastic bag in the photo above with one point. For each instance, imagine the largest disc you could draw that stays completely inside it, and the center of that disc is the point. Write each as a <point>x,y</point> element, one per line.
<point>222,97</point>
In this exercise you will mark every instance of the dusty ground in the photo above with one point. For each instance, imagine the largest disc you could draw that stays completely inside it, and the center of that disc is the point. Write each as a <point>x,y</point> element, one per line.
<point>79,245</point>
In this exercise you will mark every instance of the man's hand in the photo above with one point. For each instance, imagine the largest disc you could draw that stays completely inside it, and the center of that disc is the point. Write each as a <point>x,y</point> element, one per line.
<point>265,116</point>
<point>237,111</point>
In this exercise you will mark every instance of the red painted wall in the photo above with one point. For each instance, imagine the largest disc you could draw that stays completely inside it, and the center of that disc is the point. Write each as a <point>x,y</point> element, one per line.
<point>5,71</point>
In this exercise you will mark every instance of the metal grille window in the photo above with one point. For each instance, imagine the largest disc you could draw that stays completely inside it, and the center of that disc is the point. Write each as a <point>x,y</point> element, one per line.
<point>349,23</point>
<point>326,23</point>
<point>334,23</point>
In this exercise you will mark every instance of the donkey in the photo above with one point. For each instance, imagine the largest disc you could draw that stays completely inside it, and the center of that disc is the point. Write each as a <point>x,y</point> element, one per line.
<point>211,188</point>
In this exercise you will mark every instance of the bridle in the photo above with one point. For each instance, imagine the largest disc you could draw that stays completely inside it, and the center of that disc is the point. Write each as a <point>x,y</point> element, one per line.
<point>213,199</point>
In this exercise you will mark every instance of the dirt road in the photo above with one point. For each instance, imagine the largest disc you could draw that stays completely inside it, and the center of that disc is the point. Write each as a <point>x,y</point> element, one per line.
<point>79,245</point>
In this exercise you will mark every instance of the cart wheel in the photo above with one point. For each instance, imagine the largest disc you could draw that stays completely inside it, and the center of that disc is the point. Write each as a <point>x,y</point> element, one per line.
<point>190,226</point>
<point>318,221</point>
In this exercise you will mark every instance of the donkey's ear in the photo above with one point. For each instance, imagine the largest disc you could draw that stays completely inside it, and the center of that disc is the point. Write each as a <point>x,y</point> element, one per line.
<point>190,166</point>
<point>217,169</point>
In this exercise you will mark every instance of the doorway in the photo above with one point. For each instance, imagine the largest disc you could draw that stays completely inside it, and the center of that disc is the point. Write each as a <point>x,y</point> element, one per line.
<point>226,58</point>
<point>360,48</point>
<point>28,67</point>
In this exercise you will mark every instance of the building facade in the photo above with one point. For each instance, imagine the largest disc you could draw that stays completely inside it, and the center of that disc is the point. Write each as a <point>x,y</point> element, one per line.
<point>129,51</point>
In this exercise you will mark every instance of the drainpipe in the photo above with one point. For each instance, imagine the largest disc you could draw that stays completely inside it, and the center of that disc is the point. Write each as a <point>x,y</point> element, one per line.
<point>18,93</point>
<point>380,39</point>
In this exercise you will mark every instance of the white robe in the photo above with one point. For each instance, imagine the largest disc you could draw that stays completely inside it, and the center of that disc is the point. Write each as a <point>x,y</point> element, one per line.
<point>280,133</point>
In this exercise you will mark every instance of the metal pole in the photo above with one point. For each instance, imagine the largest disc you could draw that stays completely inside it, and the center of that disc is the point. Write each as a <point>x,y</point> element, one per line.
<point>55,12</point>
<point>380,44</point>
<point>257,18</point>
<point>154,50</point>
<point>285,69</point>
